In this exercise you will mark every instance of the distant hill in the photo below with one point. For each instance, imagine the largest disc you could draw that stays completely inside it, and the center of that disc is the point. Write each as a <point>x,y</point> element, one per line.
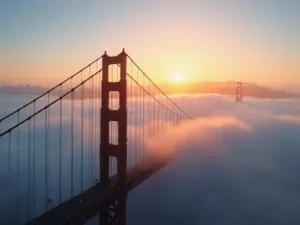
<point>227,88</point>
<point>36,91</point>
<point>22,89</point>
<point>222,88</point>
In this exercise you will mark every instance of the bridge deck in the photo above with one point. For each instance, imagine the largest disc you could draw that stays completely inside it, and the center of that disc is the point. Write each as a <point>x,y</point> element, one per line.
<point>89,203</point>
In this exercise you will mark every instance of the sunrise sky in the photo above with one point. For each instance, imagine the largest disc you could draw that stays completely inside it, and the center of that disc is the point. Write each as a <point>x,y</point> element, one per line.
<point>43,42</point>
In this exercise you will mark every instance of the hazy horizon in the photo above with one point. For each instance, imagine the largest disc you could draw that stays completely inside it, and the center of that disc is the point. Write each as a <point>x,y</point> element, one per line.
<point>286,86</point>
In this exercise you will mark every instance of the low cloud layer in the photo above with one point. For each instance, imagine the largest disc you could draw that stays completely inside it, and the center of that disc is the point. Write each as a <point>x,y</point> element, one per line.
<point>235,163</point>
<point>193,133</point>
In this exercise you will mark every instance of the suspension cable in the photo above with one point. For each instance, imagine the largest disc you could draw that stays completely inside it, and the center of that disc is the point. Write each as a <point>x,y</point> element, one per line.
<point>47,106</point>
<point>47,92</point>
<point>157,86</point>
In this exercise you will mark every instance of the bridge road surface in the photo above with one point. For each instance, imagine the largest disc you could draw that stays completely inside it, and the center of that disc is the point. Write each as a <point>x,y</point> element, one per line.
<point>91,202</point>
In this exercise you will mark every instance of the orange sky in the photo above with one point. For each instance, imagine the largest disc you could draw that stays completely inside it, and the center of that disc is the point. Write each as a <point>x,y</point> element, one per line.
<point>201,42</point>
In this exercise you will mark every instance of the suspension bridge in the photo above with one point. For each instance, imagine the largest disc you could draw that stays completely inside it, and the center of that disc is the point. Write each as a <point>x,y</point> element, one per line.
<point>75,150</point>
<point>78,149</point>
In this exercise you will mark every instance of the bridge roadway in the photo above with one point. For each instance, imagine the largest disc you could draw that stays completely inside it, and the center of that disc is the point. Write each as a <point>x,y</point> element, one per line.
<point>88,204</point>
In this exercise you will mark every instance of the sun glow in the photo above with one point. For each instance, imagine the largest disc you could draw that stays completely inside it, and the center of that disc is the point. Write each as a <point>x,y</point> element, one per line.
<point>178,78</point>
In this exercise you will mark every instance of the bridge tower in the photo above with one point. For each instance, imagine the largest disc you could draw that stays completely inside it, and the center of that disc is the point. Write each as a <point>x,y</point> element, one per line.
<point>115,213</point>
<point>107,150</point>
<point>239,92</point>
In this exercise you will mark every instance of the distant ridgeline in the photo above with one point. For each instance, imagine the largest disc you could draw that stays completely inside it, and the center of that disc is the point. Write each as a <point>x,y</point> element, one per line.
<point>227,88</point>
<point>222,88</point>
<point>36,90</point>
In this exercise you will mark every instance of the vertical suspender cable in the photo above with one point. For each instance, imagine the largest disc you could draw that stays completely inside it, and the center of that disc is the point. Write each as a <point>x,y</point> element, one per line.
<point>131,119</point>
<point>72,137</point>
<point>138,116</point>
<point>81,151</point>
<point>92,131</point>
<point>99,87</point>
<point>60,146</point>
<point>46,161</point>
<point>149,109</point>
<point>18,169</point>
<point>154,111</point>
<point>29,170</point>
<point>140,122</point>
<point>33,175</point>
<point>100,121</point>
<point>89,154</point>
<point>9,150</point>
<point>48,145</point>
<point>143,122</point>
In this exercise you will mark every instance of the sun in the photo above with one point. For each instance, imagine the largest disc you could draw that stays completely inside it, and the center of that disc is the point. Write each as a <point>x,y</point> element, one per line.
<point>178,78</point>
